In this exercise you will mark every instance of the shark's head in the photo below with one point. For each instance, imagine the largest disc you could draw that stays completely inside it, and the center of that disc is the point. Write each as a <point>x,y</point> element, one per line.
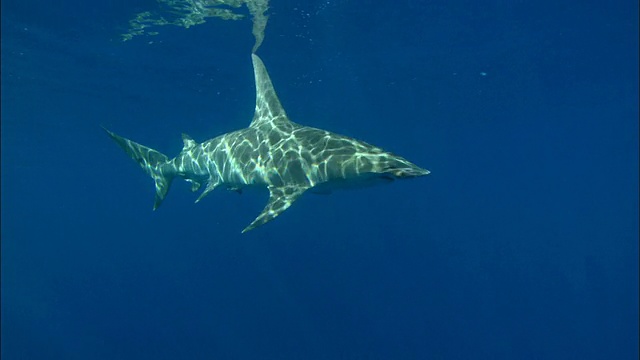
<point>397,167</point>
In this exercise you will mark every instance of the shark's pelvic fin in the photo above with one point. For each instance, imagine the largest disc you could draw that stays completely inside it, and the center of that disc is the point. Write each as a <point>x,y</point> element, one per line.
<point>152,162</point>
<point>211,185</point>
<point>268,107</point>
<point>280,199</point>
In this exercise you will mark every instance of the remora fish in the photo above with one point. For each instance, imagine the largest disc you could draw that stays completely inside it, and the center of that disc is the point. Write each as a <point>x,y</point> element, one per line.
<point>274,152</point>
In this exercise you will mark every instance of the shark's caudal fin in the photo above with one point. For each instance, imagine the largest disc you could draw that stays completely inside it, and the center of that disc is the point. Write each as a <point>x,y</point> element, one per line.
<point>154,163</point>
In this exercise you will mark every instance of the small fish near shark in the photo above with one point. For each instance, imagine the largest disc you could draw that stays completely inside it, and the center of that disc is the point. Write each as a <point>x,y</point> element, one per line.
<point>273,152</point>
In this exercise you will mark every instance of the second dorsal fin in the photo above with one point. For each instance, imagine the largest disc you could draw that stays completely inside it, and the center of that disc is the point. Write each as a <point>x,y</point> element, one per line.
<point>188,142</point>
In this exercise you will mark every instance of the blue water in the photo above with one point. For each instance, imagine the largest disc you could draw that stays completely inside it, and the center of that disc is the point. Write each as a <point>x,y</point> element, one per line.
<point>521,244</point>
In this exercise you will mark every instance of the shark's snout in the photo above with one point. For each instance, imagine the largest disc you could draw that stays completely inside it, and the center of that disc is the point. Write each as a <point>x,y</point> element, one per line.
<point>400,168</point>
<point>403,173</point>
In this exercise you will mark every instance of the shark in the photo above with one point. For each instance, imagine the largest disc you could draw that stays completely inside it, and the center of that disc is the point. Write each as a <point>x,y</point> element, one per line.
<point>287,158</point>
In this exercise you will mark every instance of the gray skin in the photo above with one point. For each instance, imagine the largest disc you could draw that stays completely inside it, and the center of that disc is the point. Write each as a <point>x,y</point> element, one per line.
<point>272,152</point>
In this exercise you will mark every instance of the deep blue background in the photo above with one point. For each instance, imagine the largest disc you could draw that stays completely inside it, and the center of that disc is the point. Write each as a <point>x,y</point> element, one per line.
<point>522,243</point>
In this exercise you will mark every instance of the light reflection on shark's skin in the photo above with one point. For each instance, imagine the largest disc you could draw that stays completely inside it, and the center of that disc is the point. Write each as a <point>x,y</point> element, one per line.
<point>274,152</point>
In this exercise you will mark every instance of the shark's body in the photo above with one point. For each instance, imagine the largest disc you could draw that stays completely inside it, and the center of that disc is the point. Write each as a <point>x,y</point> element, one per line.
<point>274,152</point>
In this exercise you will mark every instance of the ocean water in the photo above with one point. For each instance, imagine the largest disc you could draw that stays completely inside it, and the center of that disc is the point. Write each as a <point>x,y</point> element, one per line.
<point>521,244</point>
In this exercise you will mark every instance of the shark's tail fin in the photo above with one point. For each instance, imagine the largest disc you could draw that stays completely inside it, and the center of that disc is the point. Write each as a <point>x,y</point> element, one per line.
<point>154,163</point>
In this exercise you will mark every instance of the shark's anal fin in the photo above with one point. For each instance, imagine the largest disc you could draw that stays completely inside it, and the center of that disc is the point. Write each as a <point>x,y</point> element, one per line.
<point>280,199</point>
<point>195,186</point>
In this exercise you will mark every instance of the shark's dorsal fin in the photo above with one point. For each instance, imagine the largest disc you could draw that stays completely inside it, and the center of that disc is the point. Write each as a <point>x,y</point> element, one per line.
<point>280,198</point>
<point>188,142</point>
<point>268,107</point>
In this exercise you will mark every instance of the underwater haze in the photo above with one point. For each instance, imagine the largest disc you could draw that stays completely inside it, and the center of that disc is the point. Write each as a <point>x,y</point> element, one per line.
<point>522,243</point>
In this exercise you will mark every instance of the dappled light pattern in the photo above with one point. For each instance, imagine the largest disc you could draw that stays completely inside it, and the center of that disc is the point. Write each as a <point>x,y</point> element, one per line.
<point>187,13</point>
<point>275,152</point>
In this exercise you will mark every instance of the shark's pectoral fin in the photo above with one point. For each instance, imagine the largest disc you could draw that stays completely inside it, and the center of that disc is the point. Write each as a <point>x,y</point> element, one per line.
<point>279,200</point>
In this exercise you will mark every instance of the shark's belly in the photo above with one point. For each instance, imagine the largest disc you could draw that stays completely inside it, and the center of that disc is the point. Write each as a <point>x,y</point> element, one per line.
<point>356,182</point>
